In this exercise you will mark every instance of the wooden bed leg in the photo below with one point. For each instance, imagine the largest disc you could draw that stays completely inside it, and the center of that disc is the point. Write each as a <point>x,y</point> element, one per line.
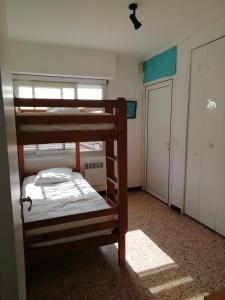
<point>121,250</point>
<point>122,177</point>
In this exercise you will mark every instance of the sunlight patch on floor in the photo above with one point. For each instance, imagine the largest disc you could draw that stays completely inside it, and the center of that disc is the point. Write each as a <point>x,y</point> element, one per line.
<point>144,256</point>
<point>169,285</point>
<point>157,270</point>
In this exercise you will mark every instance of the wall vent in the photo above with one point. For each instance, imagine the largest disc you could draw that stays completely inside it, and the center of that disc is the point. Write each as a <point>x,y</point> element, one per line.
<point>95,174</point>
<point>93,165</point>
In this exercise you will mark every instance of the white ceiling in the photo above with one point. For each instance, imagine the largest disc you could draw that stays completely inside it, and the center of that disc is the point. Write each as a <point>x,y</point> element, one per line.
<point>105,24</point>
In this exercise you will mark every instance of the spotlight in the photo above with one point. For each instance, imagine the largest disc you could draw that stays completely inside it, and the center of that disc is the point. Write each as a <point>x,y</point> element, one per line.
<point>134,20</point>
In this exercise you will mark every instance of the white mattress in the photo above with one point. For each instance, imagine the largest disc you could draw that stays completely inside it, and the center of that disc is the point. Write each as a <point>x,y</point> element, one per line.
<point>63,127</point>
<point>62,199</point>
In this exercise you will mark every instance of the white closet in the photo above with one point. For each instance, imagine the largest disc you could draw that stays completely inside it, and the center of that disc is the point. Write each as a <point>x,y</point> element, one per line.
<point>205,172</point>
<point>158,119</point>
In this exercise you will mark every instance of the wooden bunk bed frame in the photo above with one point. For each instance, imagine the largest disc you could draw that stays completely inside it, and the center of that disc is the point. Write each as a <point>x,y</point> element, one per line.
<point>116,193</point>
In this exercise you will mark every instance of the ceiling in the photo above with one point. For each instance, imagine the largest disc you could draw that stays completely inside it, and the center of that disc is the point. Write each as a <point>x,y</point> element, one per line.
<point>105,24</point>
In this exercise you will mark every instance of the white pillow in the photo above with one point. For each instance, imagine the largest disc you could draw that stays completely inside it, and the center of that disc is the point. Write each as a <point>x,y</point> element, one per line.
<point>55,175</point>
<point>63,110</point>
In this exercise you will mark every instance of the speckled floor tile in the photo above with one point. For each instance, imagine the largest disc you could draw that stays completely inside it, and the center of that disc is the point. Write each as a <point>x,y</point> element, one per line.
<point>169,256</point>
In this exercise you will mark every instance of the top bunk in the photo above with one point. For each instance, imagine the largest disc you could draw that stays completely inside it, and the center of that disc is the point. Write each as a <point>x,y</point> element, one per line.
<point>40,121</point>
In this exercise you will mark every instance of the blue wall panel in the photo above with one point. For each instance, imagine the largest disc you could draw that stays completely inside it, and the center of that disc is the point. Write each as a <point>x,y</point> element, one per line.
<point>161,65</point>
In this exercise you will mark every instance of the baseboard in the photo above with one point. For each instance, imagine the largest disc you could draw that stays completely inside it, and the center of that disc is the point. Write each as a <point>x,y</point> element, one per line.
<point>175,208</point>
<point>135,188</point>
<point>130,189</point>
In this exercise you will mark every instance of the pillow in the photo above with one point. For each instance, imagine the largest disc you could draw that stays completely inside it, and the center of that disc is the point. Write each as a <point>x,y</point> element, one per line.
<point>90,110</point>
<point>63,110</point>
<point>55,175</point>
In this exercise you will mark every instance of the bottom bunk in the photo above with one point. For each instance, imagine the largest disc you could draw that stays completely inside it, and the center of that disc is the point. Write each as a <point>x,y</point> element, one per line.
<point>66,214</point>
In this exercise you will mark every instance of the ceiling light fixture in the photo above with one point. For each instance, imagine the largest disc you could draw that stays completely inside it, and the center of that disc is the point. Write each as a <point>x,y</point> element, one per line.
<point>134,20</point>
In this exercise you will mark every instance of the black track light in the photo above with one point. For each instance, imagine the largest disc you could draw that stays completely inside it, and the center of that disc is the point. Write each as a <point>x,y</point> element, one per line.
<point>134,20</point>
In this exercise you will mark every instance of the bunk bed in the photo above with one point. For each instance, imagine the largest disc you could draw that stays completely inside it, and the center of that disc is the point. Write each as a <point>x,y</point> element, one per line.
<point>47,236</point>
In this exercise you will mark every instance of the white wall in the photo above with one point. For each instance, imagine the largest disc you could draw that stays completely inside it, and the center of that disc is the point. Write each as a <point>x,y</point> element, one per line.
<point>62,61</point>
<point>12,276</point>
<point>127,83</point>
<point>180,109</point>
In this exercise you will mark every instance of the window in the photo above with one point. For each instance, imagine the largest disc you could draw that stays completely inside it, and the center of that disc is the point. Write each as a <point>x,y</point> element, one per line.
<point>58,90</point>
<point>89,92</point>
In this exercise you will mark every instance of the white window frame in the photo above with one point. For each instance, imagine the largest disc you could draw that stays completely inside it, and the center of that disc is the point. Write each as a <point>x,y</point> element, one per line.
<point>59,82</point>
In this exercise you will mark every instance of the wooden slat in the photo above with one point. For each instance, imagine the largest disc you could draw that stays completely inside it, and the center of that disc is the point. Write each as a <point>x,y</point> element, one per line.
<point>113,158</point>
<point>20,102</point>
<point>71,218</point>
<point>22,119</point>
<point>27,138</point>
<point>49,236</point>
<point>43,253</point>
<point>112,202</point>
<point>113,180</point>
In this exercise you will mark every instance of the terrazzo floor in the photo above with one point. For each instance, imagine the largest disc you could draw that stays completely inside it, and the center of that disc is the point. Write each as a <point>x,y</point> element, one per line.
<point>169,256</point>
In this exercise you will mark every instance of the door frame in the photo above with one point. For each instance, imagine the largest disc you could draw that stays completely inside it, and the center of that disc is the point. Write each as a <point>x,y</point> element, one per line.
<point>145,138</point>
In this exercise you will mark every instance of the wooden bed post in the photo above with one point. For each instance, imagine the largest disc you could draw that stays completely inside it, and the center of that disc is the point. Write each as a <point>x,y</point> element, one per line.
<point>21,160</point>
<point>77,158</point>
<point>122,176</point>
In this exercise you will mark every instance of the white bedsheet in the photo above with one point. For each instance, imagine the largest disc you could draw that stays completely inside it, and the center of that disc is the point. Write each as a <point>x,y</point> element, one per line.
<point>61,199</point>
<point>60,112</point>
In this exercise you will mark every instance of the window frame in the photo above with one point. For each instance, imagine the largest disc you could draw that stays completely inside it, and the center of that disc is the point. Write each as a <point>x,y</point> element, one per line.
<point>34,81</point>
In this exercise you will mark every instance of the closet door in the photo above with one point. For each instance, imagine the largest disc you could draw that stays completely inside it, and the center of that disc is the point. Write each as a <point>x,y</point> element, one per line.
<point>215,96</point>
<point>195,128</point>
<point>158,119</point>
<point>205,175</point>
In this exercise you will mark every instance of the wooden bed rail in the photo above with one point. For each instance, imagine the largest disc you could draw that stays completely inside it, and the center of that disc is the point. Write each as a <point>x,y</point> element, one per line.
<point>63,233</point>
<point>62,119</point>
<point>20,102</point>
<point>36,254</point>
<point>71,218</point>
<point>27,138</point>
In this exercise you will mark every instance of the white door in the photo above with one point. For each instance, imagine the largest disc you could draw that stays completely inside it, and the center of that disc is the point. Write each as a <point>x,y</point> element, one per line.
<point>215,96</point>
<point>195,132</point>
<point>205,175</point>
<point>158,119</point>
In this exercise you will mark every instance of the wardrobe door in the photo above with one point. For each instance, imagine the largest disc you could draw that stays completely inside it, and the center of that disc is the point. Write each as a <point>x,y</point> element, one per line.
<point>215,144</point>
<point>195,128</point>
<point>158,139</point>
<point>205,172</point>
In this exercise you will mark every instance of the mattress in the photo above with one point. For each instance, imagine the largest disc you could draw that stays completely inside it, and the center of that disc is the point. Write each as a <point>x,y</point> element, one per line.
<point>63,127</point>
<point>62,199</point>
